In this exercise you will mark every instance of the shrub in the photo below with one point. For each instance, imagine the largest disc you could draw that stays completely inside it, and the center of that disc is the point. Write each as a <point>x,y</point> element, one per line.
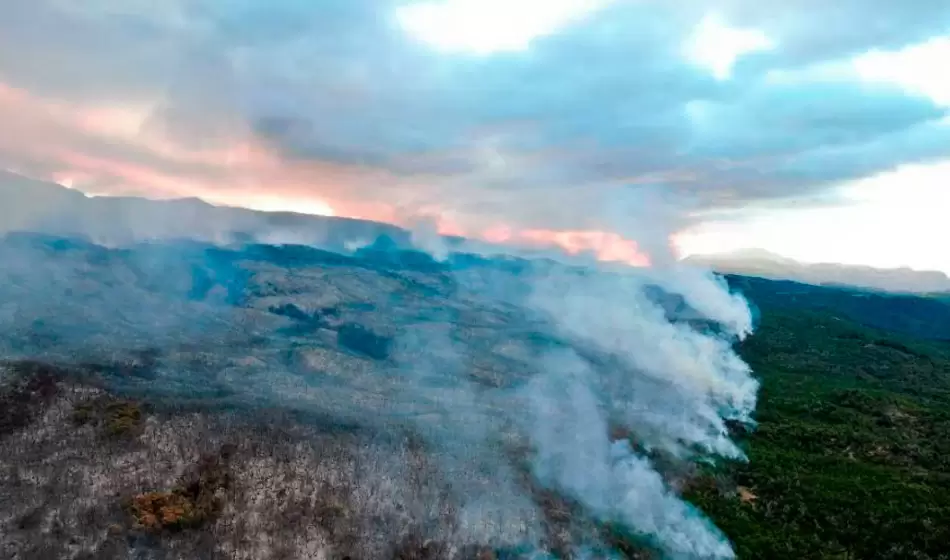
<point>195,500</point>
<point>116,418</point>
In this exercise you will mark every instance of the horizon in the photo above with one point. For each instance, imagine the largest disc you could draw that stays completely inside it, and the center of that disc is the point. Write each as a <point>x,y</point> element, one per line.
<point>529,247</point>
<point>714,127</point>
<point>465,279</point>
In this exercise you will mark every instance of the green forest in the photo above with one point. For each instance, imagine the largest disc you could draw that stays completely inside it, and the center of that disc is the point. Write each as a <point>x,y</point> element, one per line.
<point>851,454</point>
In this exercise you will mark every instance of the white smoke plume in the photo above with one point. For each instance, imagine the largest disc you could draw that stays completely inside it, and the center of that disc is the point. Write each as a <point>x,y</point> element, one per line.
<point>671,385</point>
<point>576,456</point>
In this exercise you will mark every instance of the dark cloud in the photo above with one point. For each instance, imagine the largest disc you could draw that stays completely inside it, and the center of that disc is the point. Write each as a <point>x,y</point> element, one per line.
<point>788,119</point>
<point>557,135</point>
<point>91,52</point>
<point>926,141</point>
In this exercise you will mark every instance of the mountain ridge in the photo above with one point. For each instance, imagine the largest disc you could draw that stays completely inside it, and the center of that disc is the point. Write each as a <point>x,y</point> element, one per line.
<point>765,264</point>
<point>28,204</point>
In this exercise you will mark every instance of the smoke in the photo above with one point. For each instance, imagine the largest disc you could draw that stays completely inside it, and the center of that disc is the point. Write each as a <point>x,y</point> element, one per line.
<point>671,380</point>
<point>570,431</point>
<point>668,383</point>
<point>425,236</point>
<point>499,365</point>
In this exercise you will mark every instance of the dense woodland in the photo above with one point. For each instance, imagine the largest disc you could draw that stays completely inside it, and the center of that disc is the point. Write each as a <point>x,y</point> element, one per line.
<point>851,455</point>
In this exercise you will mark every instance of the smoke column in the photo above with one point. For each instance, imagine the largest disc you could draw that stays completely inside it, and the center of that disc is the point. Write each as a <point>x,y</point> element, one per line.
<point>671,386</point>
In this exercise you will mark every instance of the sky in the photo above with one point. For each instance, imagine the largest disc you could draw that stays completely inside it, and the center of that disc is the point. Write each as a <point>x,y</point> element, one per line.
<point>632,128</point>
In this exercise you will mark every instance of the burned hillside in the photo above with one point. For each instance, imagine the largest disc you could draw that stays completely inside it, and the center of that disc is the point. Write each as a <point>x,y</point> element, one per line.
<point>366,402</point>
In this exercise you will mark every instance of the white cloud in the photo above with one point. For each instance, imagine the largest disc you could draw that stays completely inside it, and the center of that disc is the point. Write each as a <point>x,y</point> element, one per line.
<point>717,45</point>
<point>375,106</point>
<point>487,26</point>
<point>920,68</point>
<point>889,220</point>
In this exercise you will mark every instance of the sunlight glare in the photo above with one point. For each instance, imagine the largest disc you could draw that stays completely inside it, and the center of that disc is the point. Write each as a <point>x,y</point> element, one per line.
<point>265,203</point>
<point>915,68</point>
<point>717,46</point>
<point>489,26</point>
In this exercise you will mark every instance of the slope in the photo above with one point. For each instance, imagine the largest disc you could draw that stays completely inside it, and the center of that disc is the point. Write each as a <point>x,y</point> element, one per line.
<point>851,454</point>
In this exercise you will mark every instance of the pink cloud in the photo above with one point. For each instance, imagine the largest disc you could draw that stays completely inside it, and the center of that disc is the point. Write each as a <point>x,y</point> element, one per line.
<point>110,151</point>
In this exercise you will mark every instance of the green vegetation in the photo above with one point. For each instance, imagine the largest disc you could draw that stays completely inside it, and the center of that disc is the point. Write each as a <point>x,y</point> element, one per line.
<point>924,317</point>
<point>851,457</point>
<point>116,418</point>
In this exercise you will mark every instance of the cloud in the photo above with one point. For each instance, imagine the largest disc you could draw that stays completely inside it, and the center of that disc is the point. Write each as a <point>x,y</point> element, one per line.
<point>555,133</point>
<point>596,133</point>
<point>810,31</point>
<point>798,117</point>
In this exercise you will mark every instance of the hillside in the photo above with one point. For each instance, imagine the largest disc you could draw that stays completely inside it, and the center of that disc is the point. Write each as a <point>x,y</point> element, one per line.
<point>764,264</point>
<point>922,316</point>
<point>41,207</point>
<point>258,402</point>
<point>850,457</point>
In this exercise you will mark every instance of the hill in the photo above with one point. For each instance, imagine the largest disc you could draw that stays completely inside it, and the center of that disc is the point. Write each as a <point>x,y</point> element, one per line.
<point>261,401</point>
<point>775,267</point>
<point>921,316</point>
<point>28,205</point>
<point>163,400</point>
<point>850,456</point>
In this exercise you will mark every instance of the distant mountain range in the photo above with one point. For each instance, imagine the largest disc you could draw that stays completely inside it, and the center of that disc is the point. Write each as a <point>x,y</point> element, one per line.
<point>30,205</point>
<point>764,264</point>
<point>43,207</point>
